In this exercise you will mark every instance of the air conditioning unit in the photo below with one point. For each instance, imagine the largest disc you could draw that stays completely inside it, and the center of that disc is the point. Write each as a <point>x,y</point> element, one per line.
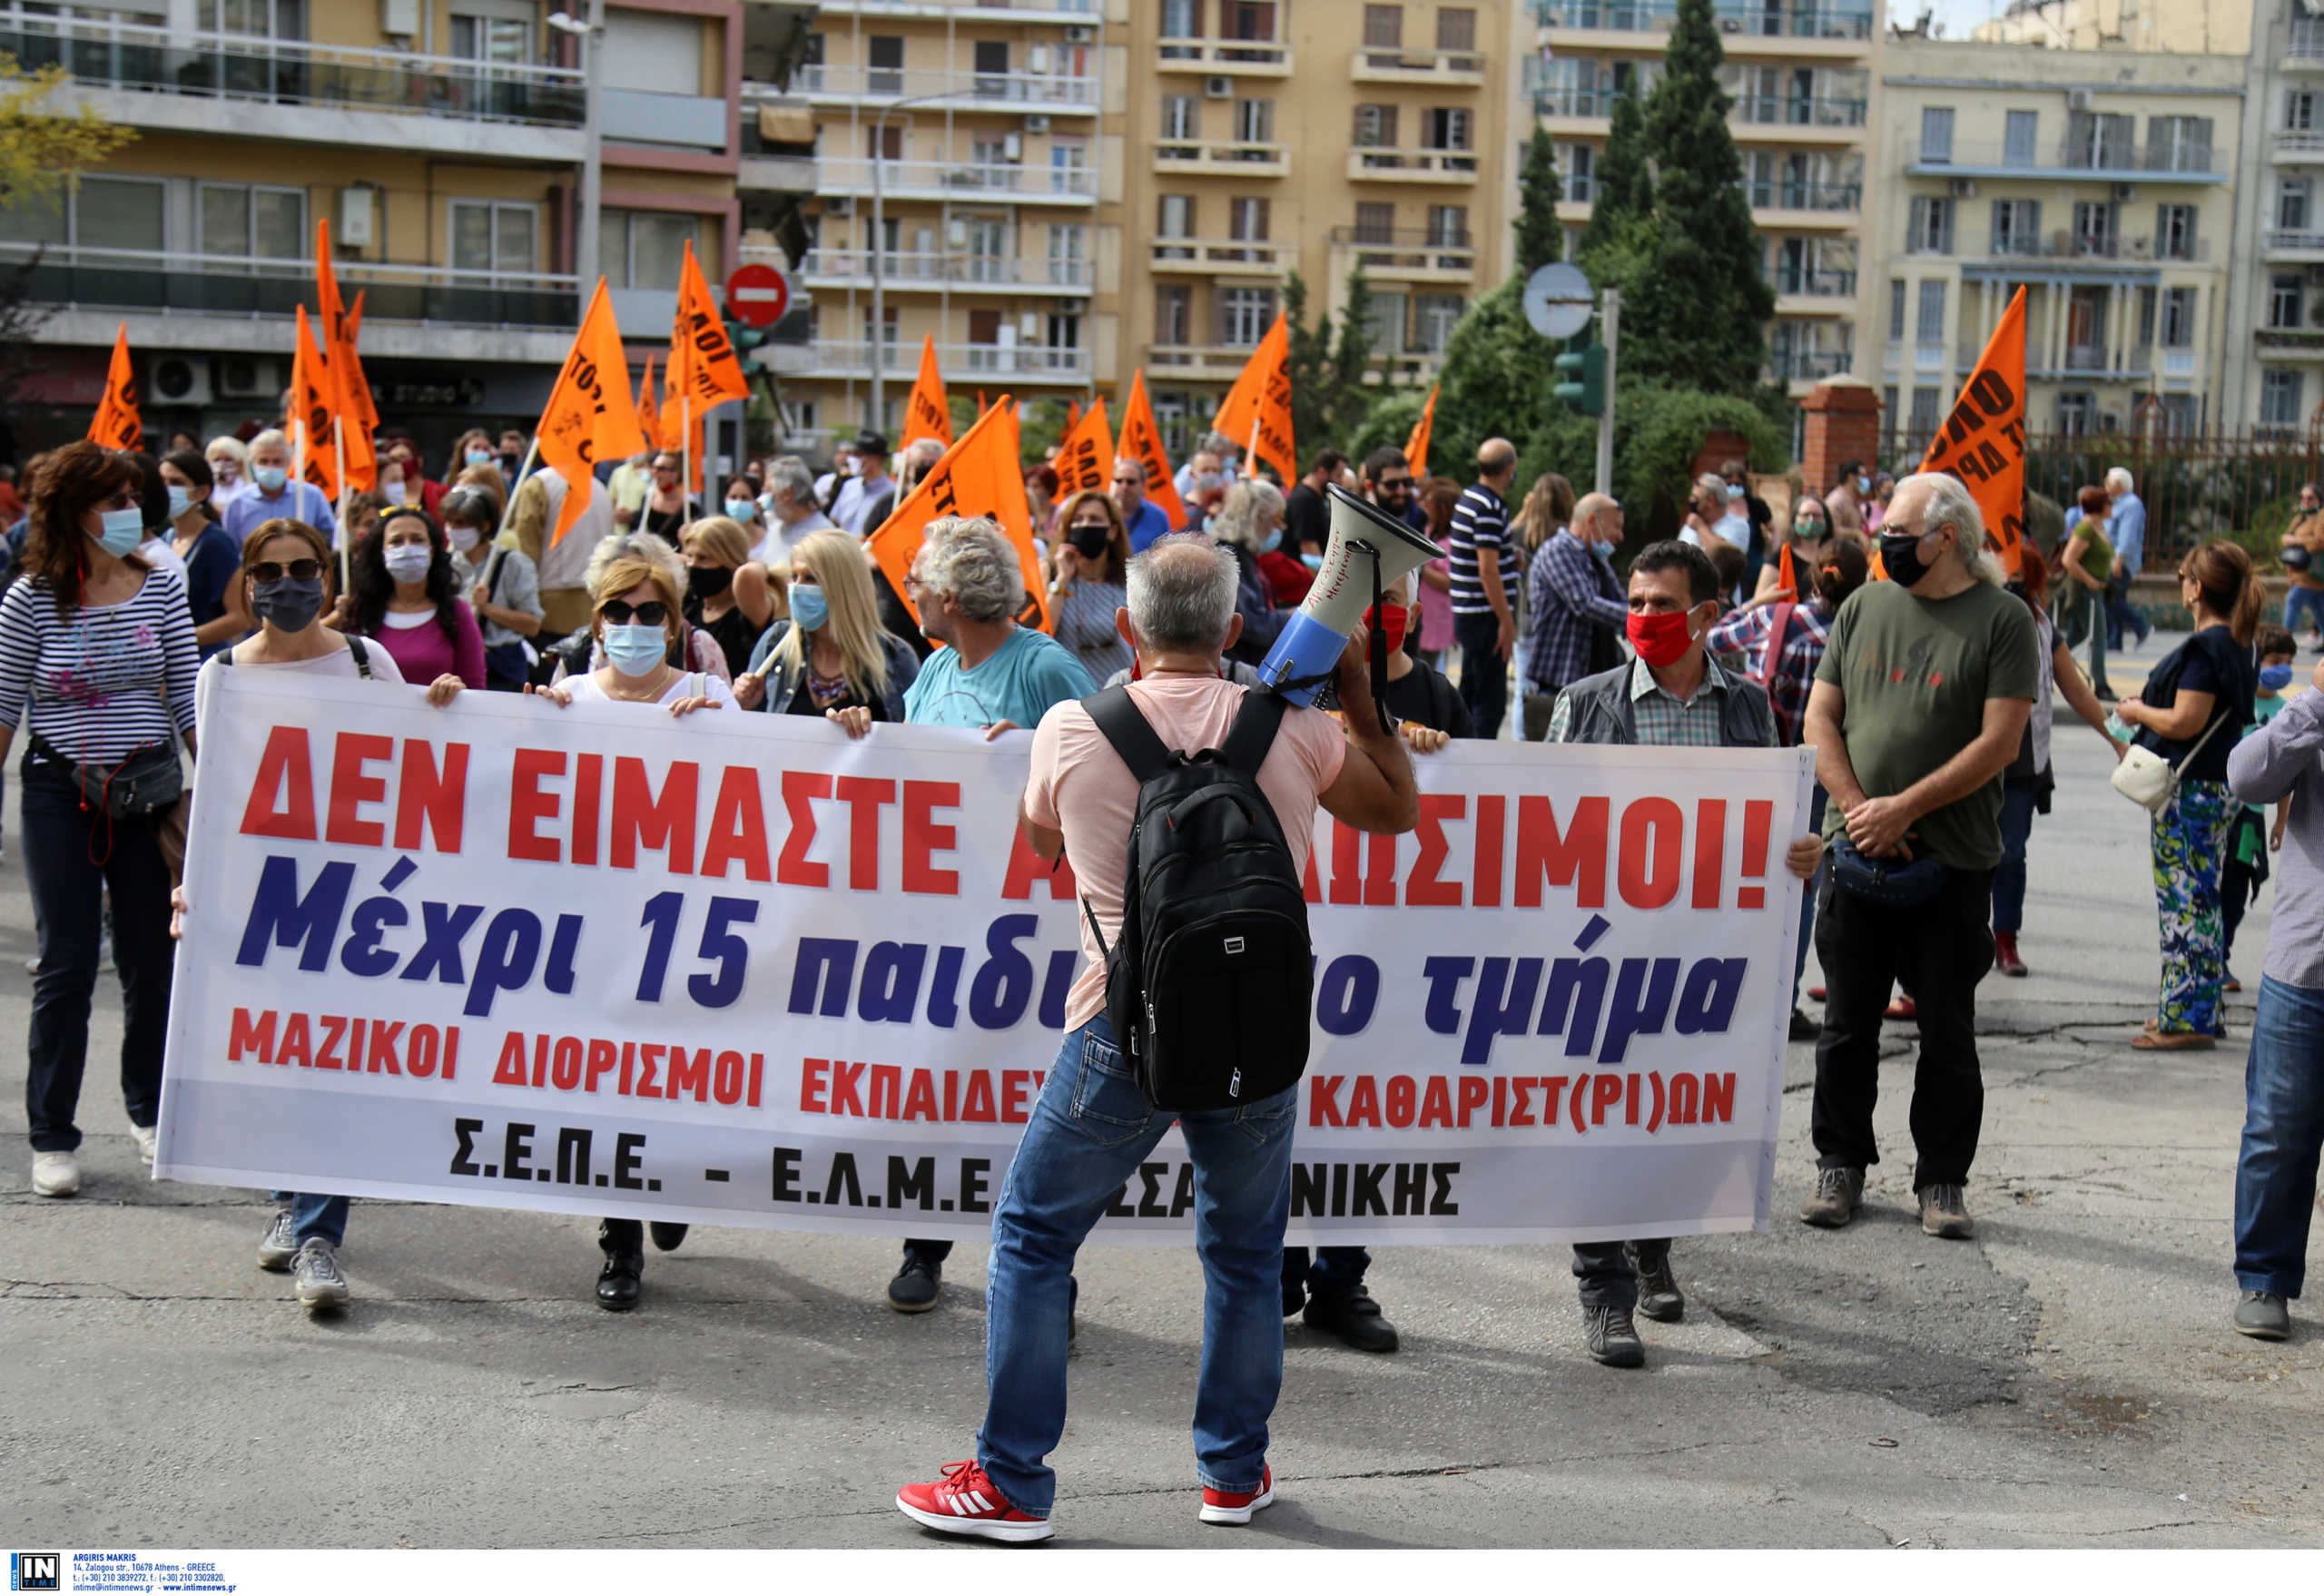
<point>177,379</point>
<point>839,205</point>
<point>2079,99</point>
<point>1218,88</point>
<point>956,233</point>
<point>1030,323</point>
<point>357,205</point>
<point>2126,191</point>
<point>246,377</point>
<point>1012,147</point>
<point>1037,60</point>
<point>1963,188</point>
<point>1080,35</point>
<point>1037,124</point>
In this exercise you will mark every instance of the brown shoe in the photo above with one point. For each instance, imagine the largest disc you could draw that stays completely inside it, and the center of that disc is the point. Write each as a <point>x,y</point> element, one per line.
<point>2173,1041</point>
<point>1839,1193</point>
<point>1944,1214</point>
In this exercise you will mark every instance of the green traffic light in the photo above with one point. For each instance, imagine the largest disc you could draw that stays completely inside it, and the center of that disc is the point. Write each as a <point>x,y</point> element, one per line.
<point>1585,391</point>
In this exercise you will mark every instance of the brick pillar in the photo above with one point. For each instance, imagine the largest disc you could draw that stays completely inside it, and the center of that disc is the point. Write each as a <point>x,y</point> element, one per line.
<point>1842,424</point>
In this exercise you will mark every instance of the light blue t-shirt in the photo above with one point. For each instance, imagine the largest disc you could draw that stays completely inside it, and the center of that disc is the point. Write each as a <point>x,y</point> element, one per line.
<point>1017,682</point>
<point>2127,527</point>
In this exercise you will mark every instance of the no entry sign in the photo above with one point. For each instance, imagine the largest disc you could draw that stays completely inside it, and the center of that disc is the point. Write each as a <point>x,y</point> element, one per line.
<point>757,295</point>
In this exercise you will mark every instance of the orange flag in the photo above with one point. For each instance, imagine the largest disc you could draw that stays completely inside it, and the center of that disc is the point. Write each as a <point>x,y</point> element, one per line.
<point>312,407</point>
<point>1982,441</point>
<point>340,328</point>
<point>1256,411</point>
<point>649,420</point>
<point>1141,439</point>
<point>590,416</point>
<point>928,413</point>
<point>1085,461</point>
<point>116,424</point>
<point>1416,446</point>
<point>978,475</point>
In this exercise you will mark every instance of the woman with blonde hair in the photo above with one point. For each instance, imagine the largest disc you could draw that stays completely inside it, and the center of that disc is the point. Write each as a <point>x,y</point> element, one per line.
<point>728,593</point>
<point>1089,581</point>
<point>580,651</point>
<point>1250,524</point>
<point>230,468</point>
<point>831,658</point>
<point>1549,505</point>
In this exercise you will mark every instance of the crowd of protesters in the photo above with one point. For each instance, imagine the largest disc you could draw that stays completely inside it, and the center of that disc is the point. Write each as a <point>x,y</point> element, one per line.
<point>1869,621</point>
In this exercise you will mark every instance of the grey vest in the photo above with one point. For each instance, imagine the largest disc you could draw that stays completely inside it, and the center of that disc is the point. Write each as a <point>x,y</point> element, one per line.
<point>1601,711</point>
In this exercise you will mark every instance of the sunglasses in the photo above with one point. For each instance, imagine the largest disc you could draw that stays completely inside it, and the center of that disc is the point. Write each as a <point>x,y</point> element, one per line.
<point>651,613</point>
<point>275,570</point>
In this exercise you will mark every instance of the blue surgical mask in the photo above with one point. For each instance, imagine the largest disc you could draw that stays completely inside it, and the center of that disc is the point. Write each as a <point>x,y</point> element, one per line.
<point>1274,542</point>
<point>1313,561</point>
<point>480,457</point>
<point>1864,485</point>
<point>809,608</point>
<point>1733,493</point>
<point>269,478</point>
<point>180,501</point>
<point>739,510</point>
<point>124,529</point>
<point>2275,678</point>
<point>634,650</point>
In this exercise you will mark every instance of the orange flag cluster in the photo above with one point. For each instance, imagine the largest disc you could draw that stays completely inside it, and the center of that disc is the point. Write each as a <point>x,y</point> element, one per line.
<point>703,373</point>
<point>980,475</point>
<point>1256,411</point>
<point>1982,441</point>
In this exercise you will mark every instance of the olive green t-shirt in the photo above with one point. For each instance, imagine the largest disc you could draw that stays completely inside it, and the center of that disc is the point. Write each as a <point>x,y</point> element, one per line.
<point>1914,674</point>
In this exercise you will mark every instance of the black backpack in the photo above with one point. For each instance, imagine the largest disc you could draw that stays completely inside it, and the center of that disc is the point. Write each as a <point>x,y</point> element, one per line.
<point>1210,984</point>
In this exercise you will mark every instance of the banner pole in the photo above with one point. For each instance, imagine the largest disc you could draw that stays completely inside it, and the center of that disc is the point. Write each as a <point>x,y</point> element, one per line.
<point>685,440</point>
<point>345,534</point>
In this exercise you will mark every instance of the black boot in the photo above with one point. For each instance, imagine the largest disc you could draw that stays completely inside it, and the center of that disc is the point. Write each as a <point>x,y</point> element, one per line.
<point>618,1281</point>
<point>665,1234</point>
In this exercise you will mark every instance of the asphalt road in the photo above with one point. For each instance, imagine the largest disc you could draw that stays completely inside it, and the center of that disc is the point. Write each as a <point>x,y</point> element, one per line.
<point>2066,1379</point>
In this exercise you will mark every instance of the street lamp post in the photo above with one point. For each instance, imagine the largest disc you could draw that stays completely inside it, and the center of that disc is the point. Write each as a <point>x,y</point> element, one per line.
<point>878,248</point>
<point>591,35</point>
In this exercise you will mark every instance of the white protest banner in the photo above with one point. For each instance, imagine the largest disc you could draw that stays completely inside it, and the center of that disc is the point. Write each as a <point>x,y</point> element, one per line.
<point>738,969</point>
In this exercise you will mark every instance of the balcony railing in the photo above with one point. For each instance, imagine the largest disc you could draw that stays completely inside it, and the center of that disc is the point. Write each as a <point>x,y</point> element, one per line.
<point>2104,159</point>
<point>1262,57</point>
<point>999,88</point>
<point>1796,111</point>
<point>1233,159</point>
<point>1195,360</point>
<point>1408,252</point>
<point>233,66</point>
<point>1819,283</point>
<point>848,175</point>
<point>2089,357</point>
<point>1256,257</point>
<point>1769,21</point>
<point>1400,65</point>
<point>1379,164</point>
<point>1780,195</point>
<point>971,8</point>
<point>909,269</point>
<point>1809,365</point>
<point>2300,144</point>
<point>2280,237</point>
<point>242,285</point>
<point>2307,40</point>
<point>1037,362</point>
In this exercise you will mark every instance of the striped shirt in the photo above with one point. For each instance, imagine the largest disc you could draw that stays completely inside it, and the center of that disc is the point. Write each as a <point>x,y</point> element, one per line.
<point>101,681</point>
<point>1480,521</point>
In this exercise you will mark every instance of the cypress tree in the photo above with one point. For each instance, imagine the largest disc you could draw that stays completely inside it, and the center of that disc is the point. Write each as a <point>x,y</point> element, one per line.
<point>1625,189</point>
<point>1540,238</point>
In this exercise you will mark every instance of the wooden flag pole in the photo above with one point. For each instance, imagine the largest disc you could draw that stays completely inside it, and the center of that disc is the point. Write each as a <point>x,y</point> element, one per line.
<point>508,505</point>
<point>685,456</point>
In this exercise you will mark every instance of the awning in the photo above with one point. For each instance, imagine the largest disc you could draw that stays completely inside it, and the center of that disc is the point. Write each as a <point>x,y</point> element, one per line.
<point>786,124</point>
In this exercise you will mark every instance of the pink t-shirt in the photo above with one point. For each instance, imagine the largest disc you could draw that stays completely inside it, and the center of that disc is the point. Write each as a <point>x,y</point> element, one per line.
<point>1079,785</point>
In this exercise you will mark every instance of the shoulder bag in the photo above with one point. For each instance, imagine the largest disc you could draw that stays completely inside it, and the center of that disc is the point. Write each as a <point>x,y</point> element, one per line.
<point>2150,781</point>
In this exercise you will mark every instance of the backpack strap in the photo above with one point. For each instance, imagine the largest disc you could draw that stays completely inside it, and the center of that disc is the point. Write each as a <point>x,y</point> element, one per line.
<point>1252,732</point>
<point>1129,732</point>
<point>362,657</point>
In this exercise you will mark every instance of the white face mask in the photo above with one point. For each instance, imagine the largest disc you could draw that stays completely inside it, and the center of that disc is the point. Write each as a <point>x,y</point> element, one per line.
<point>464,538</point>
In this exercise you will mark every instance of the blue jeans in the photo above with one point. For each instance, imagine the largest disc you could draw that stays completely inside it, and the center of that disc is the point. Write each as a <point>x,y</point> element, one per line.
<point>2310,599</point>
<point>2283,1128</point>
<point>314,1215</point>
<point>2119,616</point>
<point>2017,801</point>
<point>1089,1131</point>
<point>1336,1271</point>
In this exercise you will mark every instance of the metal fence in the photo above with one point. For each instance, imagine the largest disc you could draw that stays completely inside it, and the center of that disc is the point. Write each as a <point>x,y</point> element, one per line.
<point>2234,485</point>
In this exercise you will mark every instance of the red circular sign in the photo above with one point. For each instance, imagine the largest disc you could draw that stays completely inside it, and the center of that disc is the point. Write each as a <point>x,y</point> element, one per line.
<point>757,295</point>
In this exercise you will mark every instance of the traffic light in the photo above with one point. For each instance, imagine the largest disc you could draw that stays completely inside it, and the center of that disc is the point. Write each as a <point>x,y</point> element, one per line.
<point>1582,381</point>
<point>745,337</point>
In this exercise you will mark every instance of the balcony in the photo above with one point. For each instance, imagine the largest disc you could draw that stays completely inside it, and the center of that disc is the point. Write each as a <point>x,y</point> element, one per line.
<point>957,90</point>
<point>176,80</point>
<point>1808,365</point>
<point>1225,57</point>
<point>1198,362</point>
<point>2306,48</point>
<point>1783,205</point>
<point>1803,291</point>
<point>903,270</point>
<point>2291,343</point>
<point>1221,257</point>
<point>2290,245</point>
<point>1584,104</point>
<point>1176,158</point>
<point>1373,163</point>
<point>958,180</point>
<point>2086,356</point>
<point>1033,364</point>
<point>1739,24</point>
<point>1066,11</point>
<point>2119,162</point>
<point>1404,255</point>
<point>1796,112</point>
<point>1445,69</point>
<point>2302,147</point>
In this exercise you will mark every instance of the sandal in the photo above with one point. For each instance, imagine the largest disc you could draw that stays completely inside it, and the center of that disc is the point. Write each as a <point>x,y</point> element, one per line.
<point>2173,1041</point>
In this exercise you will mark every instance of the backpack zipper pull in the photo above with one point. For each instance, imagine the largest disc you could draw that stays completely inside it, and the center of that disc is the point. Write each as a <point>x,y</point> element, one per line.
<point>1234,1084</point>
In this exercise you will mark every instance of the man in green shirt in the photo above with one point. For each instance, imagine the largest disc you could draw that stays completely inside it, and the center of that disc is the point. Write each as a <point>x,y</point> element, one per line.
<point>1919,705</point>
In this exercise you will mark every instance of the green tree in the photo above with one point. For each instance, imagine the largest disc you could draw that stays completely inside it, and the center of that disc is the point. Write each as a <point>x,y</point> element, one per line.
<point>1697,311</point>
<point>1329,400</point>
<point>1495,381</point>
<point>1540,238</point>
<point>1622,197</point>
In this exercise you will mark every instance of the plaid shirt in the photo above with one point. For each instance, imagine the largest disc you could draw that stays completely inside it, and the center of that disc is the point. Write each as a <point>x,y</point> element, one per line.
<point>1744,633</point>
<point>1664,720</point>
<point>1569,593</point>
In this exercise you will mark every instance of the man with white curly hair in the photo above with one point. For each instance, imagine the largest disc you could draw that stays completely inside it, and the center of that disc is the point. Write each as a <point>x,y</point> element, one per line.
<point>994,677</point>
<point>1918,707</point>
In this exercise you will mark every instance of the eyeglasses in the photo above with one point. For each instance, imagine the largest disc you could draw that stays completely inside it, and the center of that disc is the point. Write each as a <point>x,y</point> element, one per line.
<point>1403,482</point>
<point>651,613</point>
<point>297,570</point>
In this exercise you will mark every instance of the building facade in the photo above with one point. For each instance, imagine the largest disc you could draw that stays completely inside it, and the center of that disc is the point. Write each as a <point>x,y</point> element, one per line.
<point>2102,182</point>
<point>2275,346</point>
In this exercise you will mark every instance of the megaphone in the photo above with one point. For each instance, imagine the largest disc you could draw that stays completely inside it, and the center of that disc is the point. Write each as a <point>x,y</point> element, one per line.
<point>1369,551</point>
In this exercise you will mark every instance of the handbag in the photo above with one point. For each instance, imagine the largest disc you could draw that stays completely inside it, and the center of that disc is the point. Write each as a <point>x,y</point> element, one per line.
<point>1894,884</point>
<point>2150,781</point>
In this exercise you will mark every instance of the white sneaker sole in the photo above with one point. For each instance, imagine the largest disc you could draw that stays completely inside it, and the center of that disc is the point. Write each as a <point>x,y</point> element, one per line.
<point>68,1186</point>
<point>1238,1516</point>
<point>975,1529</point>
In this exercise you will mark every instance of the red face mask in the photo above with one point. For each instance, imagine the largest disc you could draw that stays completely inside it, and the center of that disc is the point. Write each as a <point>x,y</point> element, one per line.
<point>1392,630</point>
<point>1661,640</point>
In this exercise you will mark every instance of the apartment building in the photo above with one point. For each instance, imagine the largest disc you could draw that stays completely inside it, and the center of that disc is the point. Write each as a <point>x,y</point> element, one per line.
<point>2199,27</point>
<point>447,141</point>
<point>2103,182</point>
<point>1801,75</point>
<point>2275,343</point>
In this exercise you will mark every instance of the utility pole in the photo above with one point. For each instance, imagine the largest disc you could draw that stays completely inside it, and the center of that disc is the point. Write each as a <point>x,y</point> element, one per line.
<point>1610,314</point>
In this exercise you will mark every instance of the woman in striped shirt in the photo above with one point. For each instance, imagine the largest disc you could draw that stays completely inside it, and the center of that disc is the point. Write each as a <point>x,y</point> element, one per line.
<point>97,667</point>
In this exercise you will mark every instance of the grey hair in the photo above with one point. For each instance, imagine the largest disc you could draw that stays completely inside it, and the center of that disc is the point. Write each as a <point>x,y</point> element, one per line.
<point>1182,593</point>
<point>788,475</point>
<point>1950,504</point>
<point>968,559</point>
<point>645,546</point>
<point>272,437</point>
<point>2119,480</point>
<point>1250,504</point>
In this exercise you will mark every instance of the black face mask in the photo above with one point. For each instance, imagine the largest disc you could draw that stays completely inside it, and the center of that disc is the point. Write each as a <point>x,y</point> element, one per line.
<point>1900,557</point>
<point>1090,542</point>
<point>288,602</point>
<point>708,581</point>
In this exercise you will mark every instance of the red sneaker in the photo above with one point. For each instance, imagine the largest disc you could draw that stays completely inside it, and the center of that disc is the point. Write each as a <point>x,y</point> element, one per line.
<point>965,1501</point>
<point>1236,1507</point>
